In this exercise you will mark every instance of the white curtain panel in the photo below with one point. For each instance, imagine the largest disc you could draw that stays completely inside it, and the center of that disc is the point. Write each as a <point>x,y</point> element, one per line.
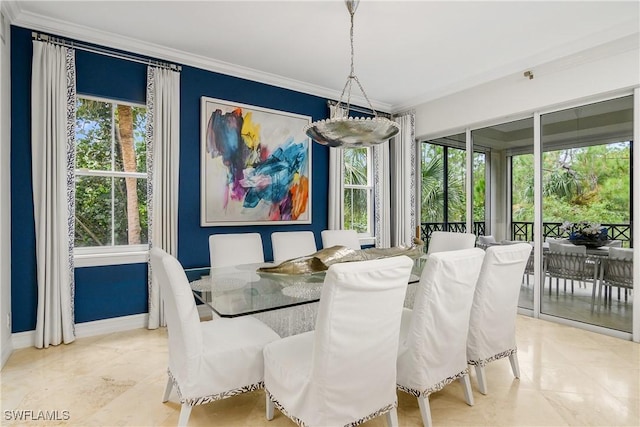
<point>336,179</point>
<point>163,158</point>
<point>53,100</point>
<point>381,192</point>
<point>403,182</point>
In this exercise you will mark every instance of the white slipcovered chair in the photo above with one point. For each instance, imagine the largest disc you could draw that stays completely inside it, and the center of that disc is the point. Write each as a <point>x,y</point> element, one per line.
<point>347,238</point>
<point>211,360</point>
<point>441,241</point>
<point>433,336</point>
<point>235,249</point>
<point>492,326</point>
<point>292,244</point>
<point>344,372</point>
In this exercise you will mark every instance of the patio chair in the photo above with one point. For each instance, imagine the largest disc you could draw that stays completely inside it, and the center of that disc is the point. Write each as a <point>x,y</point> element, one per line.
<point>617,271</point>
<point>571,264</point>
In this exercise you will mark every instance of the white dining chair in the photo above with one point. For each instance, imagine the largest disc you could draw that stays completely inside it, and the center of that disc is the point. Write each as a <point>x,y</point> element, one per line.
<point>235,249</point>
<point>433,336</point>
<point>292,244</point>
<point>346,238</point>
<point>441,241</point>
<point>210,360</point>
<point>492,326</point>
<point>344,372</point>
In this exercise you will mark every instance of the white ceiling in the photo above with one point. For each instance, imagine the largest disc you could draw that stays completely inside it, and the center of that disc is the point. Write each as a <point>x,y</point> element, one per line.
<point>406,52</point>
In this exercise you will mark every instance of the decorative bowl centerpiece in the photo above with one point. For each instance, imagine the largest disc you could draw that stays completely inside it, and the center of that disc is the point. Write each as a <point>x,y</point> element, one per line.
<point>586,233</point>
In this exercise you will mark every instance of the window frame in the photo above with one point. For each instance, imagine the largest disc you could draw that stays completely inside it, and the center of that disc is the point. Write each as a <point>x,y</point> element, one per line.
<point>90,256</point>
<point>367,238</point>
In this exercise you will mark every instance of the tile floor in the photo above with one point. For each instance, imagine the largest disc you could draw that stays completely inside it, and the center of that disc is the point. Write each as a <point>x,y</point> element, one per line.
<point>569,377</point>
<point>616,313</point>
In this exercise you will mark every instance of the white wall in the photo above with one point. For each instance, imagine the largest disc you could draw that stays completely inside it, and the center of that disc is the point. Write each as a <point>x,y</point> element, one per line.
<point>605,69</point>
<point>5,191</point>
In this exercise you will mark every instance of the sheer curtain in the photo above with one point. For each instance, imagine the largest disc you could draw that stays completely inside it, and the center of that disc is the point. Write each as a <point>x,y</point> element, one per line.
<point>381,191</point>
<point>163,158</point>
<point>53,102</point>
<point>403,181</point>
<point>336,179</point>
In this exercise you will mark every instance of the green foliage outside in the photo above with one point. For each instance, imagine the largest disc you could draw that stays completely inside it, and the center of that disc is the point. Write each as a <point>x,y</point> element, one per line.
<point>98,211</point>
<point>433,184</point>
<point>355,199</point>
<point>579,184</point>
<point>590,184</point>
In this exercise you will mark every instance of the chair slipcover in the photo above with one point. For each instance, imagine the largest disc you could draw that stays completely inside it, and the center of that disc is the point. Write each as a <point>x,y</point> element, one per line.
<point>492,326</point>
<point>347,238</point>
<point>344,372</point>
<point>441,241</point>
<point>292,244</point>
<point>235,249</point>
<point>207,360</point>
<point>433,337</point>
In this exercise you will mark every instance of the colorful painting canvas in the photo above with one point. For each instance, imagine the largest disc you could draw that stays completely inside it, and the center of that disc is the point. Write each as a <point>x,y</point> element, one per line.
<point>255,165</point>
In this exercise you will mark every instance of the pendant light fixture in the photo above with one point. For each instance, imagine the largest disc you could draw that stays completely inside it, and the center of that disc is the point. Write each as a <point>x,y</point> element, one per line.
<point>345,131</point>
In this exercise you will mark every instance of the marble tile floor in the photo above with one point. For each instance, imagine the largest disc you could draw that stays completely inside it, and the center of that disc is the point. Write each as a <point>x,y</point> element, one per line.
<point>569,377</point>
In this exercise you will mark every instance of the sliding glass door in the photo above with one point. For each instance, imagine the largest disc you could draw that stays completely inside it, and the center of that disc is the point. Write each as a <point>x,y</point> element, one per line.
<point>586,211</point>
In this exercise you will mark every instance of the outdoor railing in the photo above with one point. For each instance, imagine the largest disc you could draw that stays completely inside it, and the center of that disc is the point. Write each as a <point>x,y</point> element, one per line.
<point>521,230</point>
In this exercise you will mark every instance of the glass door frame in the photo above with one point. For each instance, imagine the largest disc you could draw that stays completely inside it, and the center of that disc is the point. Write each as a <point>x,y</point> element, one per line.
<point>538,223</point>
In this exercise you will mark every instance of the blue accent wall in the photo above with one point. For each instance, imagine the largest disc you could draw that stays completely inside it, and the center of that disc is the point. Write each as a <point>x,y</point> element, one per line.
<point>114,291</point>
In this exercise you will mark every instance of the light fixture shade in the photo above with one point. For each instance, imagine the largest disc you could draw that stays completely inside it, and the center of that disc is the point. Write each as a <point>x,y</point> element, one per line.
<point>352,132</point>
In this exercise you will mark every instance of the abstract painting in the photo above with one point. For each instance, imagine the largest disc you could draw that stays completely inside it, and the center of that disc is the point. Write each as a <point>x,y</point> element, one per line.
<point>255,165</point>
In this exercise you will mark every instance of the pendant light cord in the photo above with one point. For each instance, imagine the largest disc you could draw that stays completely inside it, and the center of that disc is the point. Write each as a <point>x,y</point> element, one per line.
<point>352,75</point>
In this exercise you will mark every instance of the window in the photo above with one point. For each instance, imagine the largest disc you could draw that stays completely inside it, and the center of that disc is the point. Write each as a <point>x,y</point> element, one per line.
<point>358,190</point>
<point>111,177</point>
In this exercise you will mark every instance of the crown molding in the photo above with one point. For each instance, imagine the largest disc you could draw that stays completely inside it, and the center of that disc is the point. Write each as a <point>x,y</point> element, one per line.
<point>10,9</point>
<point>90,35</point>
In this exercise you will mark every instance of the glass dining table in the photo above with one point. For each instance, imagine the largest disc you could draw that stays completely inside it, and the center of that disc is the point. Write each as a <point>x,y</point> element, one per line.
<point>288,303</point>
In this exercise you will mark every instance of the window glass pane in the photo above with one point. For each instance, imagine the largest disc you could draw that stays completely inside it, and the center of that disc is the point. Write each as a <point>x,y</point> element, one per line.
<point>130,123</point>
<point>587,199</point>
<point>93,135</point>
<point>355,166</point>
<point>355,210</point>
<point>432,186</point>
<point>93,211</point>
<point>456,185</point>
<point>479,186</point>
<point>110,139</point>
<point>130,212</point>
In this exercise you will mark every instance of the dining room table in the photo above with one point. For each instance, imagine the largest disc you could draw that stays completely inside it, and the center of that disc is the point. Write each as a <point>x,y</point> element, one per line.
<point>288,303</point>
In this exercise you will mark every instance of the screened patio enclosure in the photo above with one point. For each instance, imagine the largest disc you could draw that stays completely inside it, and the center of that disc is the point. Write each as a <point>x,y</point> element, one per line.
<point>554,169</point>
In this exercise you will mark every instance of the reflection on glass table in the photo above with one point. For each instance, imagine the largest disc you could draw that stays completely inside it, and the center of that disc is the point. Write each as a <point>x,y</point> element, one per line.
<point>287,303</point>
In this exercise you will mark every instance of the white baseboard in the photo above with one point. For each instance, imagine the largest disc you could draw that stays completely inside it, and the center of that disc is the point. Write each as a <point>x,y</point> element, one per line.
<point>7,349</point>
<point>88,329</point>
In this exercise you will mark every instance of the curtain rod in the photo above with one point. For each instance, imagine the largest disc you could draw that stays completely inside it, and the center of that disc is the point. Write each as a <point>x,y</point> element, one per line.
<point>360,109</point>
<point>102,51</point>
